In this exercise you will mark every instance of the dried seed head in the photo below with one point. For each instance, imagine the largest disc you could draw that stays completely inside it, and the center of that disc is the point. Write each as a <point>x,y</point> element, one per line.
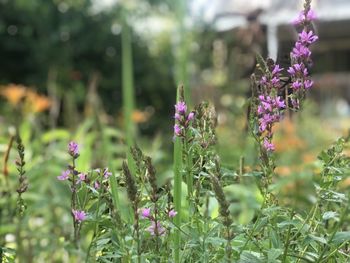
<point>130,183</point>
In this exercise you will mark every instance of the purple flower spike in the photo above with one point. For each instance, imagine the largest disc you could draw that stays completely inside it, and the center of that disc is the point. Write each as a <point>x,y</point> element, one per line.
<point>146,213</point>
<point>79,215</point>
<point>177,116</point>
<point>181,107</point>
<point>172,213</point>
<point>73,149</point>
<point>64,175</point>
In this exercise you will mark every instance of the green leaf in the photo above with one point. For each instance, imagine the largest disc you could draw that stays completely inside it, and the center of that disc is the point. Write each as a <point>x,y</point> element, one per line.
<point>318,239</point>
<point>276,242</point>
<point>341,237</point>
<point>330,215</point>
<point>273,254</point>
<point>250,257</point>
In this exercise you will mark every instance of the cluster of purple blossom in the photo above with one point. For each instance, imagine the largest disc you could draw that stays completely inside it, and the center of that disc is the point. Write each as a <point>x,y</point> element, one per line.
<point>73,150</point>
<point>269,112</point>
<point>301,53</point>
<point>156,228</point>
<point>182,118</point>
<point>271,105</point>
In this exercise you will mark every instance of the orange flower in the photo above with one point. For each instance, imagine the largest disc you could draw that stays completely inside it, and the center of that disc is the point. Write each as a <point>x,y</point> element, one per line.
<point>13,93</point>
<point>140,116</point>
<point>38,103</point>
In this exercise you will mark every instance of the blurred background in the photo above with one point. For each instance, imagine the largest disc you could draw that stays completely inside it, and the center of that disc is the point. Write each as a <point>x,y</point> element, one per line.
<point>105,72</point>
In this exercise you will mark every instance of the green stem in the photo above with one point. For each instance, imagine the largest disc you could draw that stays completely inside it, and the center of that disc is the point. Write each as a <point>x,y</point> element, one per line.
<point>177,192</point>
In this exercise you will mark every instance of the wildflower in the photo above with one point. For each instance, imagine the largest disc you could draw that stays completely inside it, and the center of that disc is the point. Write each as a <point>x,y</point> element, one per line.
<point>177,129</point>
<point>308,84</point>
<point>268,145</point>
<point>82,177</point>
<point>263,80</point>
<point>276,70</point>
<point>181,107</point>
<point>307,37</point>
<point>79,215</point>
<point>106,173</point>
<point>64,175</point>
<point>302,18</point>
<point>96,185</point>
<point>146,213</point>
<point>177,116</point>
<point>172,213</point>
<point>300,51</point>
<point>73,149</point>
<point>156,229</point>
<point>296,85</point>
<point>190,116</point>
<point>311,15</point>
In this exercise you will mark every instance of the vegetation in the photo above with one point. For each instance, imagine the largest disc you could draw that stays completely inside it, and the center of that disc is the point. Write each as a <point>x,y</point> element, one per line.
<point>96,193</point>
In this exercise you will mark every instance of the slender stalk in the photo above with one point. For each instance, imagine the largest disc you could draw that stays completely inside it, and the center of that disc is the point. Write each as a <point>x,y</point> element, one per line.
<point>177,191</point>
<point>182,49</point>
<point>287,241</point>
<point>128,87</point>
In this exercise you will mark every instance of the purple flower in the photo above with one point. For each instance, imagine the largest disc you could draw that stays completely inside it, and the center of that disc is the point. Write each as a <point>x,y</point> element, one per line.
<point>291,71</point>
<point>177,116</point>
<point>308,84</point>
<point>190,116</point>
<point>64,175</point>
<point>300,51</point>
<point>268,145</point>
<point>275,81</point>
<point>79,215</point>
<point>311,15</point>
<point>296,85</point>
<point>277,69</point>
<point>82,177</point>
<point>280,102</point>
<point>172,213</point>
<point>146,212</point>
<point>263,80</point>
<point>106,173</point>
<point>156,230</point>
<point>295,103</point>
<point>73,149</point>
<point>307,37</point>
<point>177,129</point>
<point>305,72</point>
<point>96,185</point>
<point>181,107</point>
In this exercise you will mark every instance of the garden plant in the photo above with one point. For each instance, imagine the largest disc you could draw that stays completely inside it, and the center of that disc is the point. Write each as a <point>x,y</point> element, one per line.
<point>124,213</point>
